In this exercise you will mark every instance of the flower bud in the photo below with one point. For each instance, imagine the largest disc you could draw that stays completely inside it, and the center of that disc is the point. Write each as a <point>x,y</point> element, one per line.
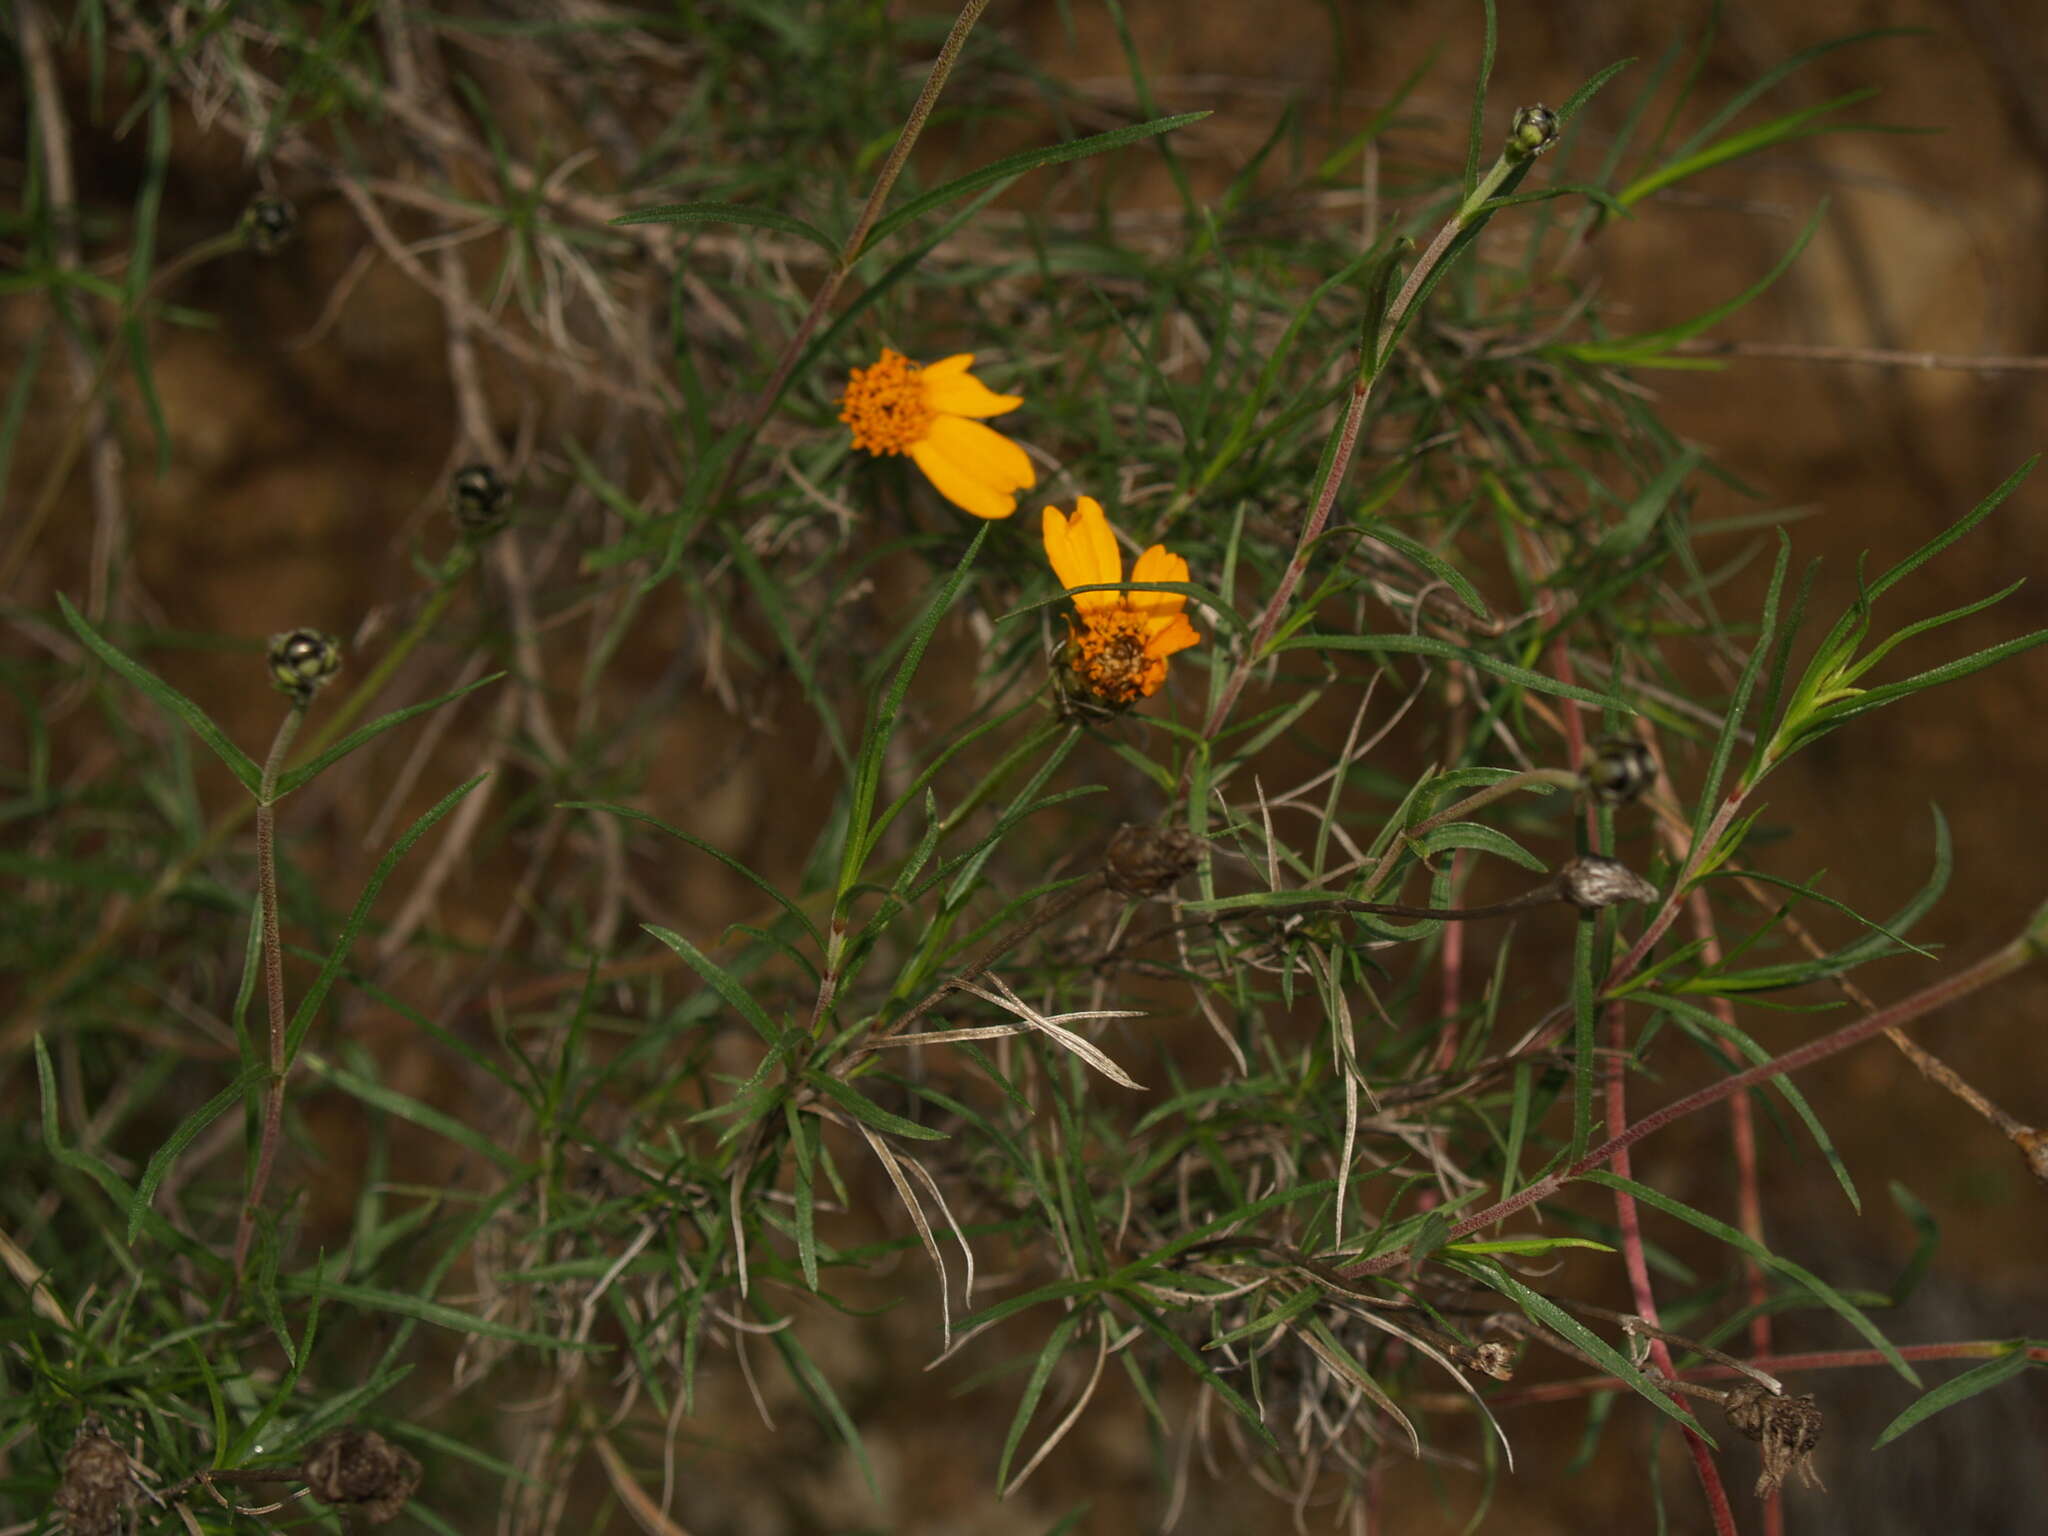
<point>1591,882</point>
<point>268,224</point>
<point>302,660</point>
<point>479,500</point>
<point>1620,769</point>
<point>1533,131</point>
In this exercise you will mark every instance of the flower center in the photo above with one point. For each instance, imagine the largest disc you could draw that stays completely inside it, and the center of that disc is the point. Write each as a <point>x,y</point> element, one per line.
<point>1109,657</point>
<point>886,405</point>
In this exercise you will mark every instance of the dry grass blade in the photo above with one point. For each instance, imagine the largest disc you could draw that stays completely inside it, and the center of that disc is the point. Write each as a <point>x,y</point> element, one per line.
<point>1006,999</point>
<point>639,1503</point>
<point>908,1196</point>
<point>1343,1365</point>
<point>1071,1417</point>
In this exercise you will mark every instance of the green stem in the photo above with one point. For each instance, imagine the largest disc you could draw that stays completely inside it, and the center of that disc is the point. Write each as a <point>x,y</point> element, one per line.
<point>21,1028</point>
<point>850,249</point>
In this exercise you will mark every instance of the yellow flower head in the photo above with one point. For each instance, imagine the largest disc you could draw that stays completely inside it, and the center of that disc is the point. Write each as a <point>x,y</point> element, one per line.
<point>927,411</point>
<point>1118,647</point>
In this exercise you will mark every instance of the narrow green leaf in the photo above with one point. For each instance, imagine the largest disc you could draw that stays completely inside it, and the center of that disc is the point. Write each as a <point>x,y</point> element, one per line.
<point>403,1304</point>
<point>330,969</point>
<point>1170,1337</point>
<point>865,1109</point>
<point>1524,1246</point>
<point>392,1102</point>
<point>765,887</point>
<point>1993,1372</point>
<point>730,213</point>
<point>1541,1309</point>
<point>1012,166</point>
<point>1427,645</point>
<point>305,773</point>
<point>721,980</point>
<point>1818,1288</point>
<point>1034,1388</point>
<point>239,763</point>
<point>175,1144</point>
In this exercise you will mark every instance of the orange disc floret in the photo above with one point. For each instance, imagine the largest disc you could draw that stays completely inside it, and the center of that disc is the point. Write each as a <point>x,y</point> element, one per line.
<point>886,405</point>
<point>933,412</point>
<point>1118,641</point>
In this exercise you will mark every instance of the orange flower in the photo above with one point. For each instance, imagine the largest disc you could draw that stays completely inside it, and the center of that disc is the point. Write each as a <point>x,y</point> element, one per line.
<point>1118,649</point>
<point>927,411</point>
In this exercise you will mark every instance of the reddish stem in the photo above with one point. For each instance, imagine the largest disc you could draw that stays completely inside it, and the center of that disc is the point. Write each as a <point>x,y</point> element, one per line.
<point>1993,967</point>
<point>1776,1365</point>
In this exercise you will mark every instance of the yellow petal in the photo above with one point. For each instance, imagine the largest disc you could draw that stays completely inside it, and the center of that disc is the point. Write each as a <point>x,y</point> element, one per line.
<point>975,467</point>
<point>1083,551</point>
<point>1157,565</point>
<point>950,388</point>
<point>1177,634</point>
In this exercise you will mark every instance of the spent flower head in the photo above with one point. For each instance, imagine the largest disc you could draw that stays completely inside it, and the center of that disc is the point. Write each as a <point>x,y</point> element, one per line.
<point>1118,641</point>
<point>931,411</point>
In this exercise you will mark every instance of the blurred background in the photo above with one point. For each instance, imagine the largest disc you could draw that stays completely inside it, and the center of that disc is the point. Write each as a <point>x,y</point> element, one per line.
<point>312,426</point>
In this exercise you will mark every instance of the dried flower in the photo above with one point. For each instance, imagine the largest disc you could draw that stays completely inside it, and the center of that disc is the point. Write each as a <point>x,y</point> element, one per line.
<point>1591,882</point>
<point>359,1467</point>
<point>928,411</point>
<point>478,498</point>
<point>302,660</point>
<point>1117,652</point>
<point>1148,861</point>
<point>1786,1428</point>
<point>98,1484</point>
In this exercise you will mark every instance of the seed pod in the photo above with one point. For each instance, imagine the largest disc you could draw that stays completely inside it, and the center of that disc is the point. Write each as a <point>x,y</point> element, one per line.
<point>301,662</point>
<point>1620,770</point>
<point>1148,861</point>
<point>98,1485</point>
<point>1787,1428</point>
<point>1591,882</point>
<point>361,1469</point>
<point>1533,131</point>
<point>268,224</point>
<point>479,500</point>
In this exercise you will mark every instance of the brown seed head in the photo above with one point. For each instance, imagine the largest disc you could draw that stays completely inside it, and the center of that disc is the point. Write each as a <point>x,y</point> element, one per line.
<point>359,1467</point>
<point>1148,861</point>
<point>1787,1429</point>
<point>98,1483</point>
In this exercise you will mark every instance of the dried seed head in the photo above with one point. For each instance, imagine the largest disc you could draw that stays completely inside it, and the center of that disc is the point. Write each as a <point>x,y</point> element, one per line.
<point>1620,769</point>
<point>479,499</point>
<point>302,660</point>
<point>98,1484</point>
<point>359,1467</point>
<point>1786,1428</point>
<point>1591,882</point>
<point>268,224</point>
<point>1148,861</point>
<point>1533,131</point>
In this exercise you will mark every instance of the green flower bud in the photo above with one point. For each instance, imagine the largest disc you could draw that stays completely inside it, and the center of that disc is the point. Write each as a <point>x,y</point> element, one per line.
<point>479,500</point>
<point>268,224</point>
<point>1620,769</point>
<point>301,662</point>
<point>1533,131</point>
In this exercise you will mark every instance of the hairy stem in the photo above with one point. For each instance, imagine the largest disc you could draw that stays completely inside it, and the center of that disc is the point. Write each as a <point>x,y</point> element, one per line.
<point>273,980</point>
